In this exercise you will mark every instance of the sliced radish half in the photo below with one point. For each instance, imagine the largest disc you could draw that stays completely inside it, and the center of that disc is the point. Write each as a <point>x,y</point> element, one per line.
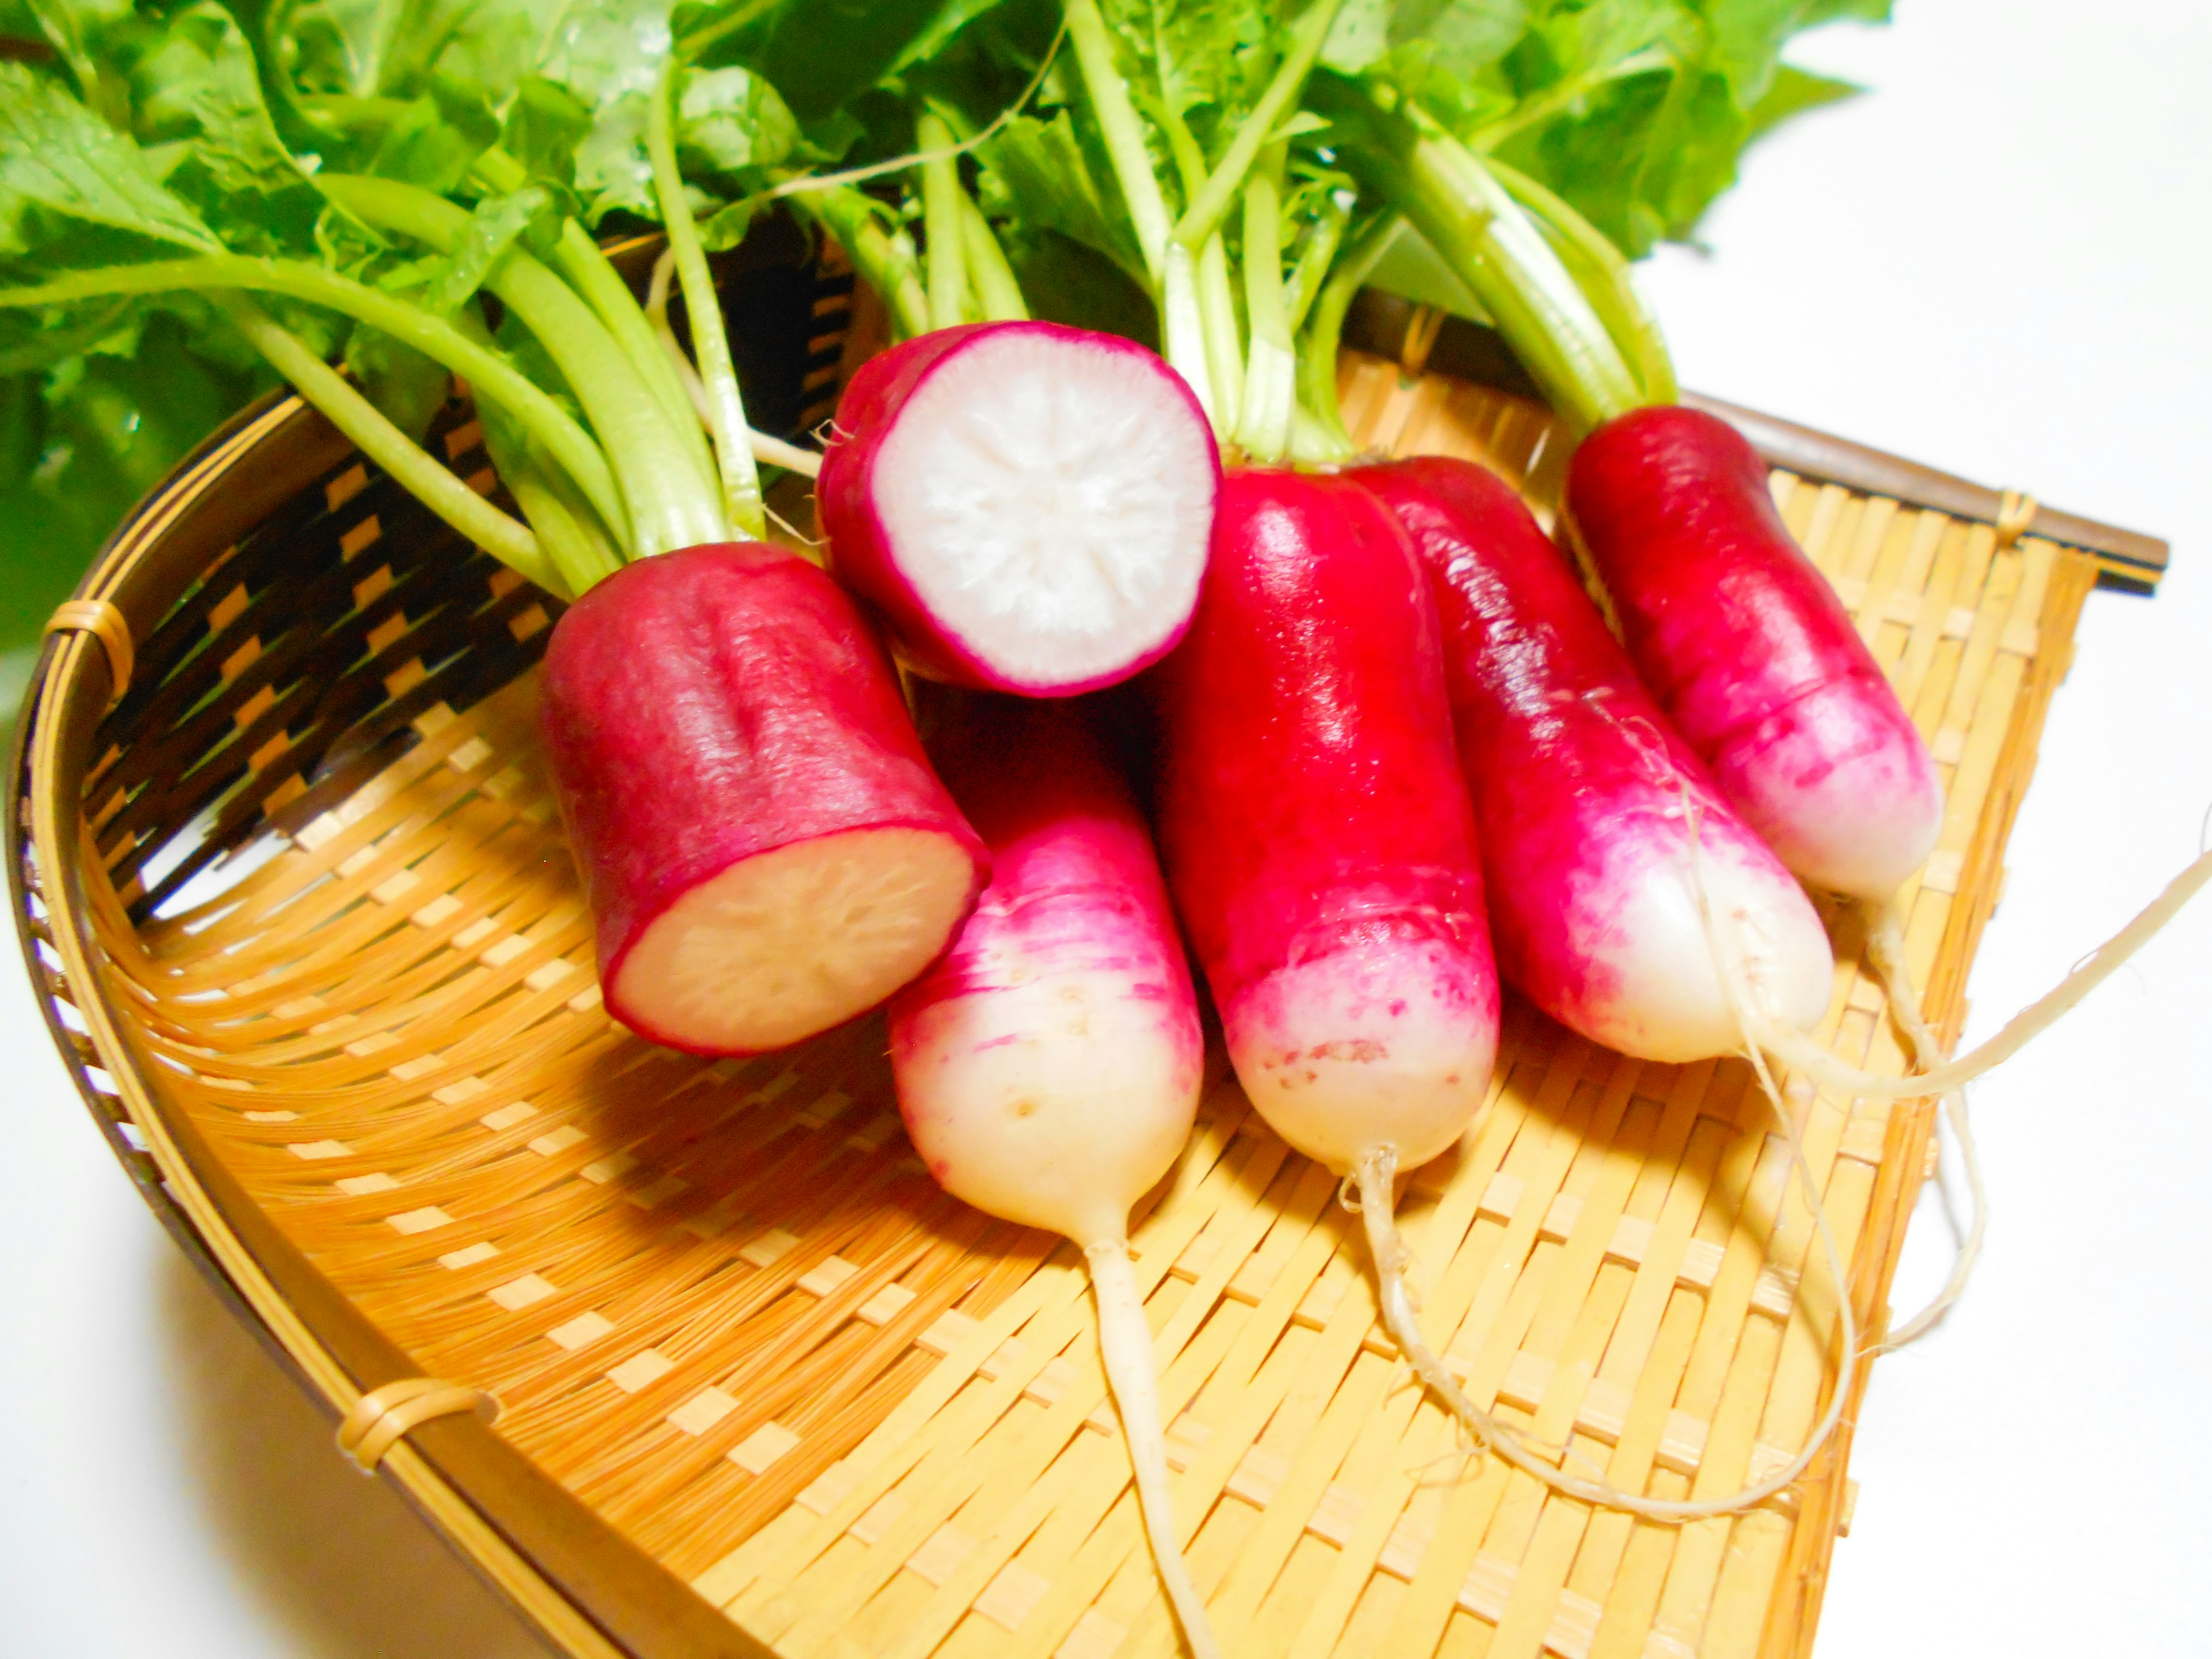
<point>1028,506</point>
<point>766,850</point>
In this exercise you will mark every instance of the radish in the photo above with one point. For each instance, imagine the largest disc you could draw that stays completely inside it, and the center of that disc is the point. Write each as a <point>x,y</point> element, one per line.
<point>1320,848</point>
<point>1587,802</point>
<point>765,849</point>
<point>1317,837</point>
<point>1749,650</point>
<point>1027,506</point>
<point>1049,1067</point>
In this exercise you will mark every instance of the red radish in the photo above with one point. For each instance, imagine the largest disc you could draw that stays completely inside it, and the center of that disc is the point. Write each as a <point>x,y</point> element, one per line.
<point>1317,834</point>
<point>1750,653</point>
<point>1049,1067</point>
<point>1585,800</point>
<point>765,849</point>
<point>1026,505</point>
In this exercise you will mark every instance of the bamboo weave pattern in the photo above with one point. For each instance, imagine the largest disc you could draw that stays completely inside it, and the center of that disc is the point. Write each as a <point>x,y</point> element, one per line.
<point>723,1303</point>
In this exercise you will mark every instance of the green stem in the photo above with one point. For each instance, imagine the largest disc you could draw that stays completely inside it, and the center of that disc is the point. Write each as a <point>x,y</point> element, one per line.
<point>569,532</point>
<point>853,219</point>
<point>1307,276</point>
<point>590,275</point>
<point>491,376</point>
<point>945,225</point>
<point>1124,134</point>
<point>669,503</point>
<point>434,485</point>
<point>1211,205</point>
<point>1270,392</point>
<point>1604,277</point>
<point>1484,236</point>
<point>997,290</point>
<point>1325,333</point>
<point>1224,343</point>
<point>710,343</point>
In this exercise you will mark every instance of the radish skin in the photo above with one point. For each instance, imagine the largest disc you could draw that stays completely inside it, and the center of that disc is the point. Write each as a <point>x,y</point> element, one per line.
<point>764,847</point>
<point>1745,645</point>
<point>1049,1067</point>
<point>1026,506</point>
<point>1584,798</point>
<point>1317,837</point>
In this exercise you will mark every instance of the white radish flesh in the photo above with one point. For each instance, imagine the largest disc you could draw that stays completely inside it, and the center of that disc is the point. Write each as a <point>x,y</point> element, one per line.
<point>1027,506</point>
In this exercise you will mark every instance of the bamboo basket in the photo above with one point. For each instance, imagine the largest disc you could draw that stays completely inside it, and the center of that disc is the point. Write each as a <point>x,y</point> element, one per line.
<point>299,911</point>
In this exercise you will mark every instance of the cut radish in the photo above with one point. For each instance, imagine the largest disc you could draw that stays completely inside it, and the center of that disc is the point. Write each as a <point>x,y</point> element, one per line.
<point>765,851</point>
<point>1027,506</point>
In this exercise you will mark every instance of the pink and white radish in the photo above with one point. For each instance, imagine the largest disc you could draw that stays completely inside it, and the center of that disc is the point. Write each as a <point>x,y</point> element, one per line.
<point>1320,848</point>
<point>764,847</point>
<point>1586,802</point>
<point>1748,650</point>
<point>1049,1066</point>
<point>1027,506</point>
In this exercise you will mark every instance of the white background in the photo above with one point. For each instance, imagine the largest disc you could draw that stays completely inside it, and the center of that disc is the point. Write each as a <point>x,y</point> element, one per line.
<point>1998,262</point>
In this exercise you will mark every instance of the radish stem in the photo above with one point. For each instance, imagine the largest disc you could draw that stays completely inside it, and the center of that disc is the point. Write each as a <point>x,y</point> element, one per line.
<point>942,197</point>
<point>1263,426</point>
<point>1125,139</point>
<point>1211,204</point>
<point>992,278</point>
<point>1125,1344</point>
<point>733,456</point>
<point>666,508</point>
<point>435,486</point>
<point>487,372</point>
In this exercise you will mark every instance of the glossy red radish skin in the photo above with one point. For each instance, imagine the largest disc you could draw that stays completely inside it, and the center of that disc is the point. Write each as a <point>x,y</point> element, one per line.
<point>1048,1064</point>
<point>1748,650</point>
<point>765,846</point>
<point>1584,798</point>
<point>1317,837</point>
<point>1027,506</point>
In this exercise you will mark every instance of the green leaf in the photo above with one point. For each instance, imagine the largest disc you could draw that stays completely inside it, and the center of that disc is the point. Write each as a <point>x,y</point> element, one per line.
<point>822,55</point>
<point>493,229</point>
<point>58,161</point>
<point>408,386</point>
<point>1795,91</point>
<point>1359,37</point>
<point>1464,35</point>
<point>731,121</point>
<point>1044,179</point>
<point>545,125</point>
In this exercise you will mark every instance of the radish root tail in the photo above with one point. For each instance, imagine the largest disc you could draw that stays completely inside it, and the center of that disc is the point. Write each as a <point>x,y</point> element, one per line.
<point>1125,1342</point>
<point>1885,952</point>
<point>1801,1053</point>
<point>1376,1176</point>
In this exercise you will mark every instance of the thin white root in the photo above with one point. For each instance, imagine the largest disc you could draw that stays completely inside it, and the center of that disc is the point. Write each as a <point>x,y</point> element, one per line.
<point>1885,952</point>
<point>773,450</point>
<point>1125,1342</point>
<point>1800,1052</point>
<point>1375,1175</point>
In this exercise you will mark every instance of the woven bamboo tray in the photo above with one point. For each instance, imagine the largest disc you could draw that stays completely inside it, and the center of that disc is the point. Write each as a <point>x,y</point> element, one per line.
<point>301,918</point>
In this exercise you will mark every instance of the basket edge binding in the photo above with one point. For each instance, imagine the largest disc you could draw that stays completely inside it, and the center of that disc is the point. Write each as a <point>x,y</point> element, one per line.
<point>581,1584</point>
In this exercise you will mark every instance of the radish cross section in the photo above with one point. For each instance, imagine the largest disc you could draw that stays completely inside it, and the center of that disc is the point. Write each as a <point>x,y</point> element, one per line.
<point>1027,506</point>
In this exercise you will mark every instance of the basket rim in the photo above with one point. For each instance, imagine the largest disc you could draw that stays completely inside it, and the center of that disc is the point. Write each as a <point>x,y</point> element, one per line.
<point>580,1583</point>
